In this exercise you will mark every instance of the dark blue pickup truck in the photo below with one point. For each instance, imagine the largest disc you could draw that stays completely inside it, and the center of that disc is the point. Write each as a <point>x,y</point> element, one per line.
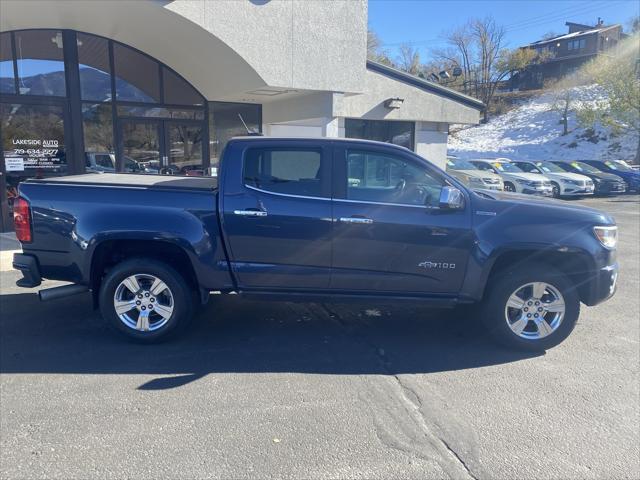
<point>314,220</point>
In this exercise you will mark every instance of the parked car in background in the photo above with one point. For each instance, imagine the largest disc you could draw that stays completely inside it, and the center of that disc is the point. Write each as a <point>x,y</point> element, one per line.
<point>472,176</point>
<point>621,169</point>
<point>515,179</point>
<point>105,162</point>
<point>604,183</point>
<point>563,184</point>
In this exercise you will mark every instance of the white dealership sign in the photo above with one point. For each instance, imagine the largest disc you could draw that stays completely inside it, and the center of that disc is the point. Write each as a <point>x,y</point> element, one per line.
<point>14,164</point>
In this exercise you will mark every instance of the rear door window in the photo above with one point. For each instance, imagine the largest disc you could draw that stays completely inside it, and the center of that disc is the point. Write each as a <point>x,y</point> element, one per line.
<point>286,171</point>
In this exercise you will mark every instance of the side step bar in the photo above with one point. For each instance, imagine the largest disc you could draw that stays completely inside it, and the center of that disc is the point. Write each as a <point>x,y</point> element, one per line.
<point>61,292</point>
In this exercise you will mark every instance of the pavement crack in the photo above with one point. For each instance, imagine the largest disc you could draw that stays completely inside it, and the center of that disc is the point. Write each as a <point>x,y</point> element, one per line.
<point>458,457</point>
<point>415,437</point>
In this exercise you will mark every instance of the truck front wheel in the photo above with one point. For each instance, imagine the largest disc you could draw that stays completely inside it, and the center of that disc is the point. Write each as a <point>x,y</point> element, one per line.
<point>531,308</point>
<point>146,300</point>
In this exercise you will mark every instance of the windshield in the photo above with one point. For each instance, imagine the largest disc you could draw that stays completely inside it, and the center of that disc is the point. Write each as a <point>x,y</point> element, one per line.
<point>618,165</point>
<point>548,167</point>
<point>584,167</point>
<point>506,167</point>
<point>457,164</point>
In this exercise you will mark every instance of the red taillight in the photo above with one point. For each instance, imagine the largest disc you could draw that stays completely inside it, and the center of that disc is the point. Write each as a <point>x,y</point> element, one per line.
<point>22,219</point>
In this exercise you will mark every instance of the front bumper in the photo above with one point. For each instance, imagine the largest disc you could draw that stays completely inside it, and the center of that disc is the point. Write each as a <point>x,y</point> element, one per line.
<point>543,191</point>
<point>608,188</point>
<point>576,190</point>
<point>603,285</point>
<point>28,265</point>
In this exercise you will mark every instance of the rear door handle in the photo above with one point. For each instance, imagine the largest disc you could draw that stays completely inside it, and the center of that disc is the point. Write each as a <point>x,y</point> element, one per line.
<point>251,213</point>
<point>356,220</point>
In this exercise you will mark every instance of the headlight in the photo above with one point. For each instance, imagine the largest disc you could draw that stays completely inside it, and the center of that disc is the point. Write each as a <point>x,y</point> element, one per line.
<point>608,236</point>
<point>525,182</point>
<point>571,182</point>
<point>475,181</point>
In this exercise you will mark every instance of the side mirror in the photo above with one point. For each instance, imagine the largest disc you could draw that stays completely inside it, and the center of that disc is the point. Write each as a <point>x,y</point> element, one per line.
<point>451,199</point>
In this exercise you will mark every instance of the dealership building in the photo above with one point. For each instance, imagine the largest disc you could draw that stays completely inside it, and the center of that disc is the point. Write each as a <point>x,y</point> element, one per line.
<point>159,86</point>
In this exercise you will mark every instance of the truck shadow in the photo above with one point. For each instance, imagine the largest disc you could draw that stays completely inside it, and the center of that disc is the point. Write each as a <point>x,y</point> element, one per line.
<point>232,335</point>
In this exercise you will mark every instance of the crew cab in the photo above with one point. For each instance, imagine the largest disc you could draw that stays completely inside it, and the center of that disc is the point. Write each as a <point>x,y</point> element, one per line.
<point>563,184</point>
<point>515,179</point>
<point>314,220</point>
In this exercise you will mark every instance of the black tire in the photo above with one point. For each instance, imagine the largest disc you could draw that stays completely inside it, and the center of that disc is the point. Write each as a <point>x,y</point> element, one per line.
<point>556,190</point>
<point>509,187</point>
<point>506,282</point>
<point>183,300</point>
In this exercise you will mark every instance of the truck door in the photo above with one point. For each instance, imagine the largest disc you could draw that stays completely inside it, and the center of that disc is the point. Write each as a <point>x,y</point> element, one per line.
<point>389,234</point>
<point>277,214</point>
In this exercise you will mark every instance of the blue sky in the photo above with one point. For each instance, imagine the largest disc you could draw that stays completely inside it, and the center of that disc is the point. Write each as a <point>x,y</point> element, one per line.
<point>422,22</point>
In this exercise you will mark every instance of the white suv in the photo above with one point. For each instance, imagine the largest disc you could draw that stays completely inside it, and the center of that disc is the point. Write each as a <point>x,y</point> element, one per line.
<point>563,183</point>
<point>516,180</point>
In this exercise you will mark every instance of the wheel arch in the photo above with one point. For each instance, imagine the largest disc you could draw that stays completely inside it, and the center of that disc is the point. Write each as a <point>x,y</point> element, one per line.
<point>110,252</point>
<point>575,264</point>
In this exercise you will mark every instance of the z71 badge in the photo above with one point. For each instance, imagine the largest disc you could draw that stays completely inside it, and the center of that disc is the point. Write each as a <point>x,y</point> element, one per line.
<point>438,265</point>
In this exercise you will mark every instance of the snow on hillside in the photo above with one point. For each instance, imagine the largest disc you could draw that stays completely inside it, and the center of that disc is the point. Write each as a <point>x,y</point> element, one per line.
<point>532,131</point>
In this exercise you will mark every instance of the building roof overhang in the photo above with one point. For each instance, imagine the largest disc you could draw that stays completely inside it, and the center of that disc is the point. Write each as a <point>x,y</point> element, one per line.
<point>425,85</point>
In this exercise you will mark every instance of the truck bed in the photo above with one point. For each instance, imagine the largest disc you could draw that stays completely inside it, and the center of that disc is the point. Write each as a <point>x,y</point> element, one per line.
<point>135,180</point>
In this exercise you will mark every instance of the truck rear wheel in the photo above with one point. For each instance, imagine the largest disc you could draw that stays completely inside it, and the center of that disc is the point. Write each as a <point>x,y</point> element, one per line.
<point>531,309</point>
<point>146,300</point>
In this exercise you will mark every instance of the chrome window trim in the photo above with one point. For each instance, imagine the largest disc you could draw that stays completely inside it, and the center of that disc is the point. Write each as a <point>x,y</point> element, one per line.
<point>285,194</point>
<point>288,195</point>
<point>386,204</point>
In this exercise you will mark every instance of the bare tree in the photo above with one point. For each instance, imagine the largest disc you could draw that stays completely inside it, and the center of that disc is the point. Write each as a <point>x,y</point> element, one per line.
<point>563,103</point>
<point>459,52</point>
<point>409,59</point>
<point>373,44</point>
<point>488,38</point>
<point>375,51</point>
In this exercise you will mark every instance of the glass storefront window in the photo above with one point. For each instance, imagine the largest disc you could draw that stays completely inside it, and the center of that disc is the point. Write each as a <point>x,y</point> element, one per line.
<point>184,148</point>
<point>225,123</point>
<point>177,91</point>
<point>93,63</point>
<point>40,62</point>
<point>137,76</point>
<point>33,143</point>
<point>97,124</point>
<point>398,133</point>
<point>160,112</point>
<point>7,79</point>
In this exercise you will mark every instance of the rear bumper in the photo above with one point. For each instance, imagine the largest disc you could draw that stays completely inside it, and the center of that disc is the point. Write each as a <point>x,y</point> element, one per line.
<point>603,285</point>
<point>28,265</point>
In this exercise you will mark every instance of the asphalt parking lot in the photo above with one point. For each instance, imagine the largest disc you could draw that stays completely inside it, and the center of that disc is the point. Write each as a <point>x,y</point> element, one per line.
<point>282,390</point>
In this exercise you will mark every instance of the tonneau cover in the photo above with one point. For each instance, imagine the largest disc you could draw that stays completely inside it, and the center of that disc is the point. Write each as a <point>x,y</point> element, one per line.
<point>135,180</point>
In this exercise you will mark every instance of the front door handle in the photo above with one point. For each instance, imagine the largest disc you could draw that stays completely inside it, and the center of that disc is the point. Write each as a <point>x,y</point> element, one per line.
<point>356,220</point>
<point>251,213</point>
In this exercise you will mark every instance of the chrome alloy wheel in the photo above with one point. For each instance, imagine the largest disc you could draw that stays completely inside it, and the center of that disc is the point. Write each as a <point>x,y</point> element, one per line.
<point>143,302</point>
<point>535,310</point>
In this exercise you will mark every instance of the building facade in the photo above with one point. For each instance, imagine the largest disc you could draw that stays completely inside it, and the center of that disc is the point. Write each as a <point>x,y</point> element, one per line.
<point>159,86</point>
<point>565,54</point>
